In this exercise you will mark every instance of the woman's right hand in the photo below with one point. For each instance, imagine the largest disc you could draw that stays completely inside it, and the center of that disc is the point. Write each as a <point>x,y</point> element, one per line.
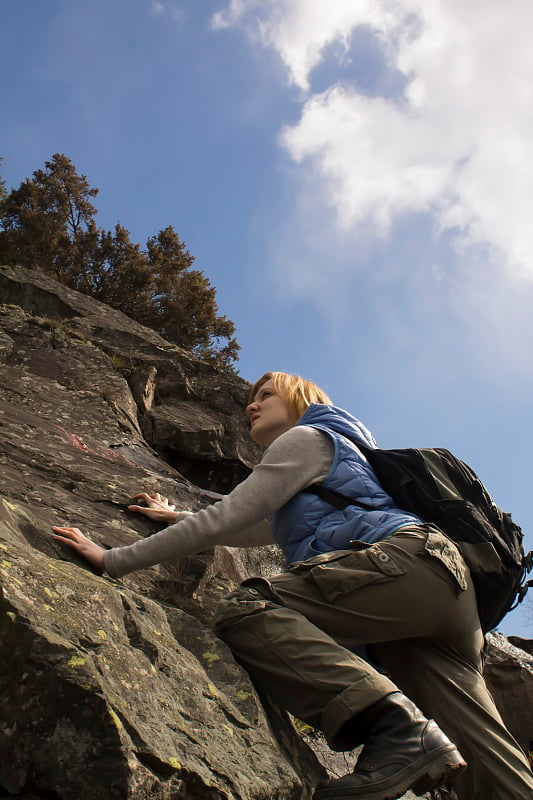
<point>156,507</point>
<point>76,540</point>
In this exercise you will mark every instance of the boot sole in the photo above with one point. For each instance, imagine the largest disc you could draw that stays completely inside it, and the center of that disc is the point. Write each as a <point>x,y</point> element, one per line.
<point>420,777</point>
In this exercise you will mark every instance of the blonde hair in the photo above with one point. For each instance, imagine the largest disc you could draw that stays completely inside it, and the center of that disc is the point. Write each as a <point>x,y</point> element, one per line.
<point>297,392</point>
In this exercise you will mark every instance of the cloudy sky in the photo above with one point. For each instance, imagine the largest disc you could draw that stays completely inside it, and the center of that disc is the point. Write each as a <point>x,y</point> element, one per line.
<point>355,177</point>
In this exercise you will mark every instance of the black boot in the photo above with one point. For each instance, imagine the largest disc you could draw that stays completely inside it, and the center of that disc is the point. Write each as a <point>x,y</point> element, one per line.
<point>403,750</point>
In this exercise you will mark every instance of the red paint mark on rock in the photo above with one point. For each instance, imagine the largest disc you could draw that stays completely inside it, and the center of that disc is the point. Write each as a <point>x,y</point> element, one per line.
<point>76,441</point>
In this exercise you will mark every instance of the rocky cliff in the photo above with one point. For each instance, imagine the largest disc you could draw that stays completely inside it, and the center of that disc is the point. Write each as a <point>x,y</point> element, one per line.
<point>119,688</point>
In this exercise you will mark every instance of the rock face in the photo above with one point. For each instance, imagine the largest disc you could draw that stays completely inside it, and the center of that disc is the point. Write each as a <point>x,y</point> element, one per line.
<point>509,676</point>
<point>119,688</point>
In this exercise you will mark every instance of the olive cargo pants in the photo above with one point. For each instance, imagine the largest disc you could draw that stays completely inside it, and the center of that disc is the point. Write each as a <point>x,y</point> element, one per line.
<point>410,596</point>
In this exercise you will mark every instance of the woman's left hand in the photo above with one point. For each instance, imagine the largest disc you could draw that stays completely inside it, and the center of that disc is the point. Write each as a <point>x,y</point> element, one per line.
<point>75,539</point>
<point>156,507</point>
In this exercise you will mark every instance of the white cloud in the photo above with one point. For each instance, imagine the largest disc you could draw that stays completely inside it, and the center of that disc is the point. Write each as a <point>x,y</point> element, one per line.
<point>300,30</point>
<point>176,14</point>
<point>374,159</point>
<point>457,143</point>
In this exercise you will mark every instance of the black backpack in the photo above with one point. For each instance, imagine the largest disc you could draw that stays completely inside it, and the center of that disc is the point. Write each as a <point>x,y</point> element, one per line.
<point>441,489</point>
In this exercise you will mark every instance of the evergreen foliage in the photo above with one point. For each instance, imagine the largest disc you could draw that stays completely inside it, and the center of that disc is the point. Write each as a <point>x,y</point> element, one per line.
<point>49,223</point>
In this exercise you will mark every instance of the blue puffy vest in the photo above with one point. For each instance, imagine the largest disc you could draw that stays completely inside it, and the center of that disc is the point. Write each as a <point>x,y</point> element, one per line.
<point>307,525</point>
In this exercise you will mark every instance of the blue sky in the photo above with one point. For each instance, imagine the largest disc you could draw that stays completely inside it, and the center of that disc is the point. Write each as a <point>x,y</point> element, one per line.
<point>356,179</point>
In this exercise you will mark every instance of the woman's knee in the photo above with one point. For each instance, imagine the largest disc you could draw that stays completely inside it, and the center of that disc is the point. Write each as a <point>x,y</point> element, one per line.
<point>251,597</point>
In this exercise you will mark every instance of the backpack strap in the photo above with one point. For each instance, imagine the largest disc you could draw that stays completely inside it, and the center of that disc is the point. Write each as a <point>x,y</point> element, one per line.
<point>527,564</point>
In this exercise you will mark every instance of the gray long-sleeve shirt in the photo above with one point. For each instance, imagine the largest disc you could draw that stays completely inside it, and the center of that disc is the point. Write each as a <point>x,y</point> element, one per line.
<point>296,459</point>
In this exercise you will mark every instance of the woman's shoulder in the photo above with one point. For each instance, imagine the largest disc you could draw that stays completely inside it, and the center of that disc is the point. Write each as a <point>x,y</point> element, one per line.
<point>305,433</point>
<point>301,442</point>
<point>307,430</point>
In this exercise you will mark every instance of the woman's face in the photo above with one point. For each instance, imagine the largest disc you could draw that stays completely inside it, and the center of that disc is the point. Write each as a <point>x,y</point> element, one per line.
<point>269,416</point>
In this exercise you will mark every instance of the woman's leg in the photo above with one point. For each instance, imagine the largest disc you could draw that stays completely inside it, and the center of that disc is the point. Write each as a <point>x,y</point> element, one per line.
<point>295,662</point>
<point>307,672</point>
<point>297,632</point>
<point>452,691</point>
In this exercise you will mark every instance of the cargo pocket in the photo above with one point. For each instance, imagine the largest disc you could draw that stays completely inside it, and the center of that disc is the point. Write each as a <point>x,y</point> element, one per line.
<point>345,571</point>
<point>442,550</point>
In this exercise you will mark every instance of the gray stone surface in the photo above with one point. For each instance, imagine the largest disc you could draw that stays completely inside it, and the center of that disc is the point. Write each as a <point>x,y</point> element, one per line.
<point>509,676</point>
<point>119,688</point>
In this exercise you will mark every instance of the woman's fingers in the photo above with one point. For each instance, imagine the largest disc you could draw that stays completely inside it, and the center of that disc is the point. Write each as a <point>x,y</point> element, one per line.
<point>146,497</point>
<point>142,496</point>
<point>165,513</point>
<point>73,535</point>
<point>156,507</point>
<point>75,539</point>
<point>139,509</point>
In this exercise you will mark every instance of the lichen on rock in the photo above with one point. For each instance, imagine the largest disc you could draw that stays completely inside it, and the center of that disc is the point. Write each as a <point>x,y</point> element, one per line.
<point>114,687</point>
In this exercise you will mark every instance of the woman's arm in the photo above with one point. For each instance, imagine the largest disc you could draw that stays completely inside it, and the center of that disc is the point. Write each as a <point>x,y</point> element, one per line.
<point>158,508</point>
<point>299,457</point>
<point>296,459</point>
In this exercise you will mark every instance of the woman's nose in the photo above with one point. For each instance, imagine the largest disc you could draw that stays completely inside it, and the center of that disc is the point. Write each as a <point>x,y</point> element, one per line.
<point>251,407</point>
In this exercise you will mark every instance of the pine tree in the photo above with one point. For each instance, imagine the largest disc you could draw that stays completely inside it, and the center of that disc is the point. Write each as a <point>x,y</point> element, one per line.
<point>184,304</point>
<point>121,275</point>
<point>49,223</point>
<point>45,219</point>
